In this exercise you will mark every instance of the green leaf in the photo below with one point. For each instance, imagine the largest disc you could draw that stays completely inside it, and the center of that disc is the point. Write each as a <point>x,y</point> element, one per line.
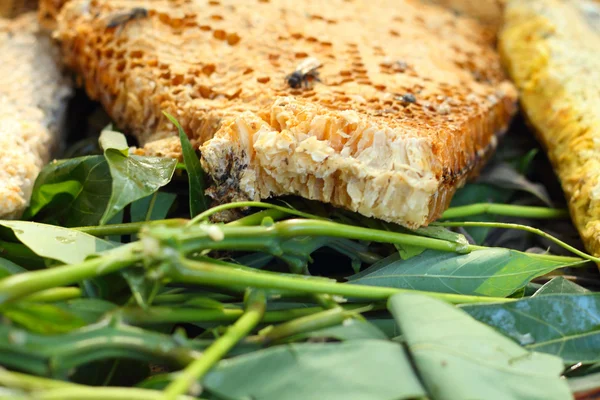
<point>198,201</point>
<point>566,325</point>
<point>489,272</point>
<point>110,139</point>
<point>560,285</point>
<point>133,178</point>
<point>354,370</point>
<point>62,244</point>
<point>142,288</point>
<point>460,358</point>
<point>480,193</point>
<point>71,192</point>
<point>504,176</point>
<point>8,267</point>
<point>351,329</point>
<point>42,318</point>
<point>160,208</point>
<point>88,310</point>
<point>583,384</point>
<point>436,232</point>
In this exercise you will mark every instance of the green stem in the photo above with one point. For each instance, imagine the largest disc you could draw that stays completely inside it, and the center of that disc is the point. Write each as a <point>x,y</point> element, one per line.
<point>17,380</point>
<point>148,216</point>
<point>526,228</point>
<point>257,218</point>
<point>326,301</point>
<point>268,238</point>
<point>255,309</point>
<point>202,273</point>
<point>161,315</point>
<point>245,204</point>
<point>104,393</point>
<point>508,210</point>
<point>309,323</point>
<point>129,228</point>
<point>55,294</point>
<point>27,283</point>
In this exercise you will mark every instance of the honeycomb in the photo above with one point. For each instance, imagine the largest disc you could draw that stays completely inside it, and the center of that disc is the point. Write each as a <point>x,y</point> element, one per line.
<point>12,8</point>
<point>410,101</point>
<point>552,50</point>
<point>33,97</point>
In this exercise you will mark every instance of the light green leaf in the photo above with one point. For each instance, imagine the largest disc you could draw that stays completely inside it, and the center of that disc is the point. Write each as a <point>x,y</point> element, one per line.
<point>583,384</point>
<point>566,325</point>
<point>354,370</point>
<point>351,329</point>
<point>42,318</point>
<point>460,358</point>
<point>490,272</point>
<point>560,285</point>
<point>62,244</point>
<point>133,178</point>
<point>198,200</point>
<point>110,139</point>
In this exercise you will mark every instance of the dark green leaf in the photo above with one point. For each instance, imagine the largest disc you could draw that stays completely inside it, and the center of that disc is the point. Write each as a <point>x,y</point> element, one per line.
<point>566,325</point>
<point>142,288</point>
<point>71,192</point>
<point>42,318</point>
<point>560,285</point>
<point>387,326</point>
<point>480,193</point>
<point>8,267</point>
<point>504,176</point>
<point>490,272</point>
<point>62,244</point>
<point>460,358</point>
<point>360,369</point>
<point>351,329</point>
<point>160,208</point>
<point>133,178</point>
<point>198,200</point>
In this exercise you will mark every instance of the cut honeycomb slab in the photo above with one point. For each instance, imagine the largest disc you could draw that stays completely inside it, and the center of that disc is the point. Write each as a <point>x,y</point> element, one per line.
<point>410,99</point>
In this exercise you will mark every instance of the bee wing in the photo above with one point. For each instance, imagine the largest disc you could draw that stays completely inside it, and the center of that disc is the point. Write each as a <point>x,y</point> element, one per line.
<point>307,65</point>
<point>118,19</point>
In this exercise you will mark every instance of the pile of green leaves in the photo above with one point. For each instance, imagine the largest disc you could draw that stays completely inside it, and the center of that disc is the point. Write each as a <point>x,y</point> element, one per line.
<point>117,285</point>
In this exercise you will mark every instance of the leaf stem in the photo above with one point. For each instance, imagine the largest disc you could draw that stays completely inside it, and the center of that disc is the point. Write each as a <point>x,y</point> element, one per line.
<point>196,272</point>
<point>55,294</point>
<point>104,393</point>
<point>27,283</point>
<point>320,320</point>
<point>526,228</point>
<point>257,217</point>
<point>256,304</point>
<point>127,228</point>
<point>268,238</point>
<point>245,204</point>
<point>508,210</point>
<point>160,315</point>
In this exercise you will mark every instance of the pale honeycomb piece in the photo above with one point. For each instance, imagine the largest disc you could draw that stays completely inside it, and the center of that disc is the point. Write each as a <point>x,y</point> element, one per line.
<point>355,140</point>
<point>33,96</point>
<point>552,49</point>
<point>488,12</point>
